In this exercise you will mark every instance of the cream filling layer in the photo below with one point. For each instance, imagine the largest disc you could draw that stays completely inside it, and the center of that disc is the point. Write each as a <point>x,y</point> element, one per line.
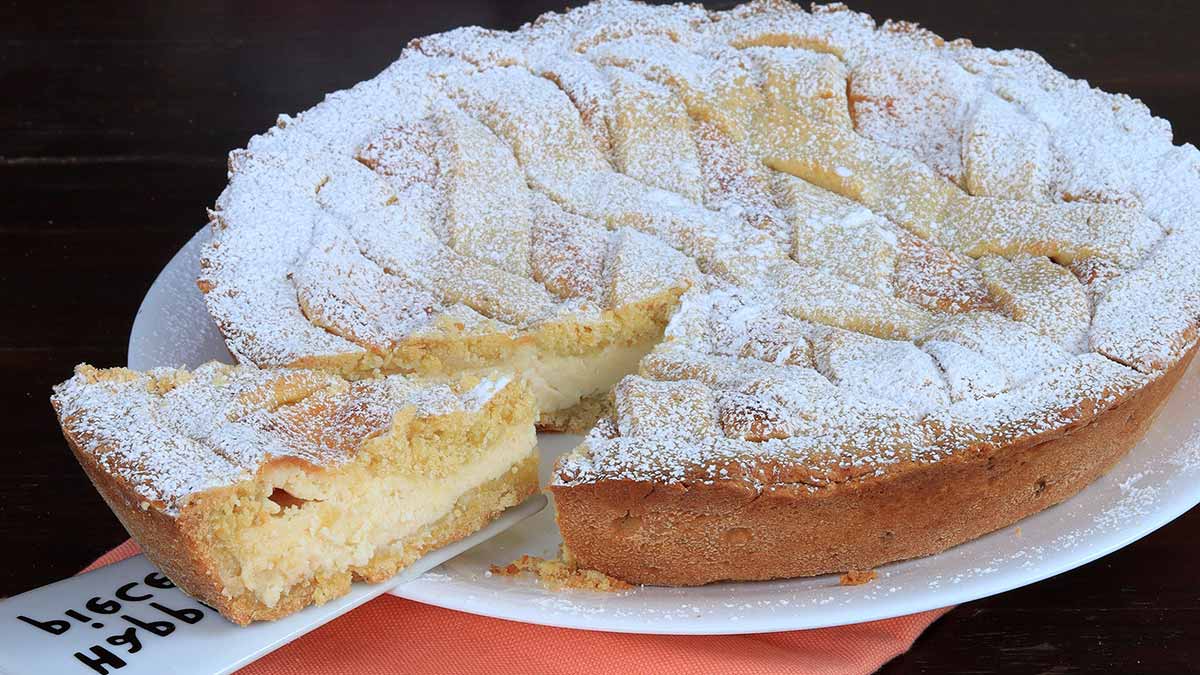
<point>353,515</point>
<point>561,381</point>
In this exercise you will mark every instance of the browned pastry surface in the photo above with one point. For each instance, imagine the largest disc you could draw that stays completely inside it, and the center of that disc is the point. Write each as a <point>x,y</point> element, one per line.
<point>700,533</point>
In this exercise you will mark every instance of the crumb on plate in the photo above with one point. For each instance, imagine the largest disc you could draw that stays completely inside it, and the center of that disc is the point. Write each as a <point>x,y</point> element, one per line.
<point>857,577</point>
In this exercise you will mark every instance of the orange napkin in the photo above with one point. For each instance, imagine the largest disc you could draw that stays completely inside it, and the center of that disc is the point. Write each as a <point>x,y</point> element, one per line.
<point>395,635</point>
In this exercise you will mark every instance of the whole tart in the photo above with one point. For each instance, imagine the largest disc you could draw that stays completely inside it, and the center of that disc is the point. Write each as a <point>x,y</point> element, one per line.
<point>864,294</point>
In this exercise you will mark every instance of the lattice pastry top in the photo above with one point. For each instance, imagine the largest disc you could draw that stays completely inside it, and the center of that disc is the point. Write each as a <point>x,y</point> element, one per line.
<point>889,246</point>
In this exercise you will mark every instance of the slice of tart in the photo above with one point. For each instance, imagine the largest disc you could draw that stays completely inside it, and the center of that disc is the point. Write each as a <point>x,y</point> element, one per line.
<point>261,492</point>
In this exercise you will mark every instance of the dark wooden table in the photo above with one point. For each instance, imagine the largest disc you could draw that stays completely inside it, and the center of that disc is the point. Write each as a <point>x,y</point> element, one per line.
<point>114,125</point>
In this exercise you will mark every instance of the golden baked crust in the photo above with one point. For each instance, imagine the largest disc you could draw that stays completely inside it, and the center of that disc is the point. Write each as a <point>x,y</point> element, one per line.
<point>699,533</point>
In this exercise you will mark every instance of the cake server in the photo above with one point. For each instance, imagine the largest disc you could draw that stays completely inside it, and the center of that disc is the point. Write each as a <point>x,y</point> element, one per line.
<point>128,618</point>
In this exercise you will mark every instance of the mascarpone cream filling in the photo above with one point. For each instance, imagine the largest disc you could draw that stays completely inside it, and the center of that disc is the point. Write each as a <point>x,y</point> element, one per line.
<point>561,381</point>
<point>357,517</point>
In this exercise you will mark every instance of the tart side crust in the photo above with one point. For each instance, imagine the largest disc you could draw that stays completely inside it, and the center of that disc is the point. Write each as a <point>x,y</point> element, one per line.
<point>688,535</point>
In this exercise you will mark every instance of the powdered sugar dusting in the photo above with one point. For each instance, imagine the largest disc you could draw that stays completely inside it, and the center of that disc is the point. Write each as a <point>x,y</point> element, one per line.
<point>896,246</point>
<point>169,434</point>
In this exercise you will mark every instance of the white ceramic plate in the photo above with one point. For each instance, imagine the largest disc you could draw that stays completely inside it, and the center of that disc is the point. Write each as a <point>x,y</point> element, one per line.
<point>1154,484</point>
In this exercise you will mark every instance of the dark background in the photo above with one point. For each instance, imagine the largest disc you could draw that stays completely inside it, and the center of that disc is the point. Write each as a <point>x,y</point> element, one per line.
<point>114,125</point>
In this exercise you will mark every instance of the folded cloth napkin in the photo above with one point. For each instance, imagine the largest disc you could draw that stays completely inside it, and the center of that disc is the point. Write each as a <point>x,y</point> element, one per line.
<point>393,635</point>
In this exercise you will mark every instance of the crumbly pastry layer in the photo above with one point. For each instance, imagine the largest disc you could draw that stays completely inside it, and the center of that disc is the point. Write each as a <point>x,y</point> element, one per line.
<point>866,262</point>
<point>579,419</point>
<point>560,573</point>
<point>263,491</point>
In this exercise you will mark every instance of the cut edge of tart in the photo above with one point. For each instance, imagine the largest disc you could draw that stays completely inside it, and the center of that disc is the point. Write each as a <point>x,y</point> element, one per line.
<point>261,492</point>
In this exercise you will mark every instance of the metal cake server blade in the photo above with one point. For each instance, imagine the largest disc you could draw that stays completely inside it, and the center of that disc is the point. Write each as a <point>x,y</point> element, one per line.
<point>129,619</point>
